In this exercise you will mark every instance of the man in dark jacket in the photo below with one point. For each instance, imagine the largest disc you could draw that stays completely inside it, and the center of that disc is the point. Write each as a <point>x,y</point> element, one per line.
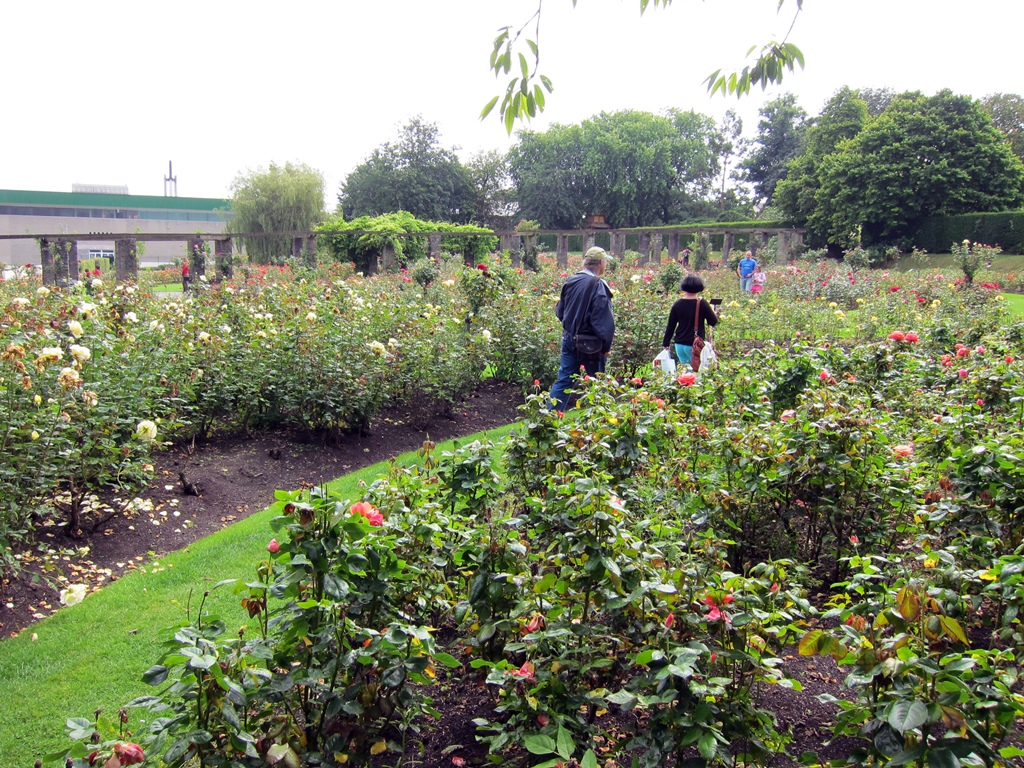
<point>584,308</point>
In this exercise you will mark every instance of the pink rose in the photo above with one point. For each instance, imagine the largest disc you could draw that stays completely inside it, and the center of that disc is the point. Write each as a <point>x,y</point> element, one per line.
<point>904,451</point>
<point>670,620</point>
<point>372,515</point>
<point>962,373</point>
<point>824,375</point>
<point>911,337</point>
<point>129,753</point>
<point>1009,358</point>
<point>687,379</point>
<point>897,336</point>
<point>273,547</point>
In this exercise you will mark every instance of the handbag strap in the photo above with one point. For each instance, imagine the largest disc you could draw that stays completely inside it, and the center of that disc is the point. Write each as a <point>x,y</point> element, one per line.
<point>594,280</point>
<point>696,318</point>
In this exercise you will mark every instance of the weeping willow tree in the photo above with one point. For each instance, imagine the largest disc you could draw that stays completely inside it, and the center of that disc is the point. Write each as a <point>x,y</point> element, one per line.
<point>288,198</point>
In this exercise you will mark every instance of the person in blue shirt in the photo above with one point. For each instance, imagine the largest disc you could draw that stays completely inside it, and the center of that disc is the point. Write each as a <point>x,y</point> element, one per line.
<point>745,271</point>
<point>584,307</point>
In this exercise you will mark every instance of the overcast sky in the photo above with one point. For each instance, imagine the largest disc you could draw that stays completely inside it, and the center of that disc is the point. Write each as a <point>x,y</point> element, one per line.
<point>108,92</point>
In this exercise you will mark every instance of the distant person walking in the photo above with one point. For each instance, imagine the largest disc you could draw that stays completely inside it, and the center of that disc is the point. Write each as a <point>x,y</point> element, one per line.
<point>745,271</point>
<point>585,309</point>
<point>186,279</point>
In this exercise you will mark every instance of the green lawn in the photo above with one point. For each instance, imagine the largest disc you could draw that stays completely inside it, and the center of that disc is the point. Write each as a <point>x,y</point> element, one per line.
<point>1004,263</point>
<point>1015,303</point>
<point>92,655</point>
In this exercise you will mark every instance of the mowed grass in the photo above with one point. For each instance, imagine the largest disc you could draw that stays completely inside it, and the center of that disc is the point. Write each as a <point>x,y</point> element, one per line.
<point>91,656</point>
<point>1014,303</point>
<point>1003,263</point>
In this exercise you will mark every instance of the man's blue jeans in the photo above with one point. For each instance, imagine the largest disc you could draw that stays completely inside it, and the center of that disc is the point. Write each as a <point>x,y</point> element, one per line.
<point>567,369</point>
<point>746,283</point>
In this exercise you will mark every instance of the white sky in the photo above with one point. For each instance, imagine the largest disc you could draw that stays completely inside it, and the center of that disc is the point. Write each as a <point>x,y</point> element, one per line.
<point>108,92</point>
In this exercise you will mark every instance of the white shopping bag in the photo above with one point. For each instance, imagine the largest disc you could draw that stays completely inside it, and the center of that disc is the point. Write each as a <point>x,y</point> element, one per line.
<point>708,358</point>
<point>664,362</point>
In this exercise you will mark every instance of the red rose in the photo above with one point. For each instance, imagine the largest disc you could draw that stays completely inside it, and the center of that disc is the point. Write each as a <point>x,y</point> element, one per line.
<point>273,547</point>
<point>911,337</point>
<point>897,336</point>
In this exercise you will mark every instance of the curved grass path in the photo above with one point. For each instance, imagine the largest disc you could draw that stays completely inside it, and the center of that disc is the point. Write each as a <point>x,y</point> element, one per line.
<point>92,655</point>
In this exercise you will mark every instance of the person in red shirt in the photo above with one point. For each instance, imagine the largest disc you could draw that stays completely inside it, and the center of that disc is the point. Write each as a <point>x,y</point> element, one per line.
<point>185,278</point>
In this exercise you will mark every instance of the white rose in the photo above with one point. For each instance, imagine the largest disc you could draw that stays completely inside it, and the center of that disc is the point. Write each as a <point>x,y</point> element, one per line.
<point>76,328</point>
<point>146,429</point>
<point>80,353</point>
<point>73,595</point>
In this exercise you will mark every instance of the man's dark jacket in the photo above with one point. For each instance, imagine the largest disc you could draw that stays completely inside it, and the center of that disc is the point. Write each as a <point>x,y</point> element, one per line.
<point>597,318</point>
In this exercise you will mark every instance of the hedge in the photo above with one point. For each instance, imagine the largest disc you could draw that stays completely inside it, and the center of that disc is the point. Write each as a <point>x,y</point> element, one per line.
<point>1005,230</point>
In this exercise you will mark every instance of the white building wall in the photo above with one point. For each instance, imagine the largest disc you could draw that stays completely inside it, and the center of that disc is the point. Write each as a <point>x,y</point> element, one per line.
<point>27,251</point>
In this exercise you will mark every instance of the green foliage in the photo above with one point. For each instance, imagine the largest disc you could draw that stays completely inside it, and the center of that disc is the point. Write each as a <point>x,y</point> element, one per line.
<point>945,152</point>
<point>635,168</point>
<point>375,238</point>
<point>779,138</point>
<point>1007,113</point>
<point>415,174</point>
<point>971,256</point>
<point>1005,230</point>
<point>288,198</point>
<point>524,96</point>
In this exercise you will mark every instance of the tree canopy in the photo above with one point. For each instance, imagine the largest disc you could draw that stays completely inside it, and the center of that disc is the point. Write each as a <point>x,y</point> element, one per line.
<point>923,156</point>
<point>779,139</point>
<point>286,198</point>
<point>1007,113</point>
<point>415,174</point>
<point>635,168</point>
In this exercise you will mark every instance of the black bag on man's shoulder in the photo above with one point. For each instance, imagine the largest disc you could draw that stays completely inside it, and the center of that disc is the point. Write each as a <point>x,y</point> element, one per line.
<point>587,345</point>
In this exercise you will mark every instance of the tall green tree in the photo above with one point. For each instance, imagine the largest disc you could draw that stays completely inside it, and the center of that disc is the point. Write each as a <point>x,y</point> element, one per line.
<point>1007,113</point>
<point>288,198</point>
<point>415,173</point>
<point>842,118</point>
<point>923,156</point>
<point>547,172</point>
<point>495,197</point>
<point>779,139</point>
<point>635,168</point>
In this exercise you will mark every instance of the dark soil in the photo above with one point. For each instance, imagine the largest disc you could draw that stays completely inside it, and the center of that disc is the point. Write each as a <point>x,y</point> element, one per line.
<point>237,476</point>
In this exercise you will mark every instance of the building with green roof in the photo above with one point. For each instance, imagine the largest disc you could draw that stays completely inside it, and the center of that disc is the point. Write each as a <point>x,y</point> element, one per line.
<point>101,210</point>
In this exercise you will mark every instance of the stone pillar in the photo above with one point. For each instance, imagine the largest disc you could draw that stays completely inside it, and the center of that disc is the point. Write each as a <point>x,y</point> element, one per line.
<point>309,251</point>
<point>46,261</point>
<point>644,247</point>
<point>434,244</point>
<point>618,244</point>
<point>505,242</point>
<point>73,259</point>
<point>387,258</point>
<point>782,248</point>
<point>516,252</point>
<point>726,247</point>
<point>562,254</point>
<point>297,248</point>
<point>222,250</point>
<point>673,246</point>
<point>588,241</point>
<point>59,253</point>
<point>657,242</point>
<point>126,260</point>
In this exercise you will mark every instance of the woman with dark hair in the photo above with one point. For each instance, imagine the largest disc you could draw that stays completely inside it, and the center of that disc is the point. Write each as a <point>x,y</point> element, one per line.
<point>681,318</point>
